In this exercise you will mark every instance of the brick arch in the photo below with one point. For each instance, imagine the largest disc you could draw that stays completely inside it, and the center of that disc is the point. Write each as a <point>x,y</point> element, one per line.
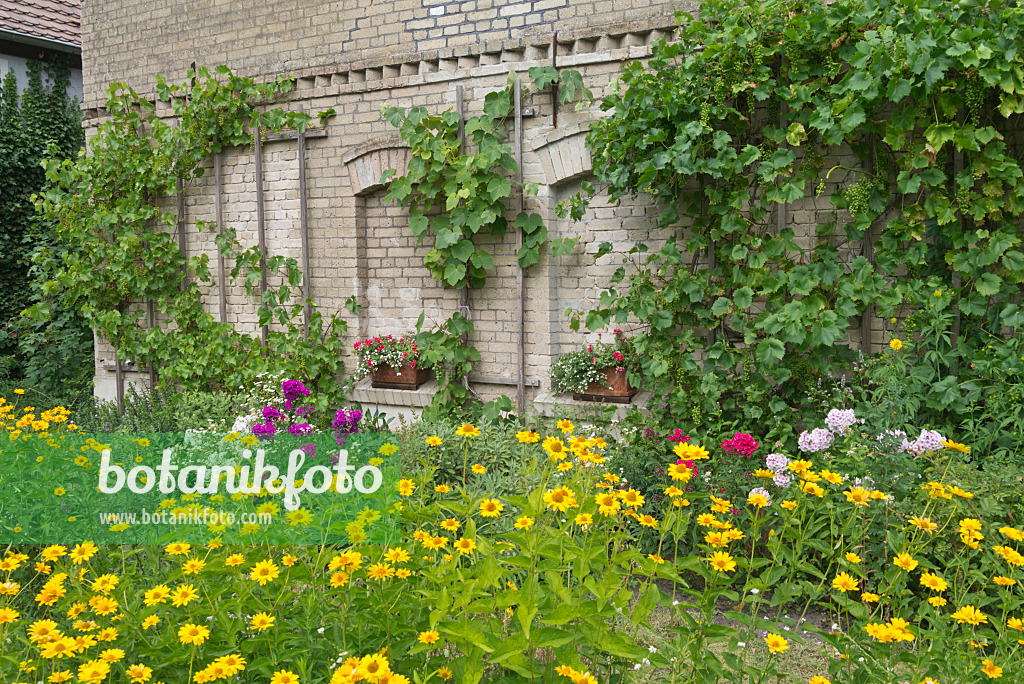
<point>369,160</point>
<point>563,153</point>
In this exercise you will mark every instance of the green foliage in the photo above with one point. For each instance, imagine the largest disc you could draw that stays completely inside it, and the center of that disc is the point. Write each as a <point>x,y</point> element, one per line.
<point>926,93</point>
<point>120,247</point>
<point>455,190</point>
<point>55,352</point>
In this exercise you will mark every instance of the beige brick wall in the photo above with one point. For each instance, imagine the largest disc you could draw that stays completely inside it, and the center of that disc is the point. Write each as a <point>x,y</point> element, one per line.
<point>407,52</point>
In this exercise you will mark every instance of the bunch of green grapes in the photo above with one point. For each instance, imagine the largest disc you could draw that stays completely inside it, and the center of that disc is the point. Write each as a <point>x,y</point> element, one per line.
<point>857,195</point>
<point>974,97</point>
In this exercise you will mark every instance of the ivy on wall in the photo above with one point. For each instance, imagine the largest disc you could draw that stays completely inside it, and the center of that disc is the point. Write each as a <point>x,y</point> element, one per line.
<point>739,115</point>
<point>110,209</point>
<point>42,115</point>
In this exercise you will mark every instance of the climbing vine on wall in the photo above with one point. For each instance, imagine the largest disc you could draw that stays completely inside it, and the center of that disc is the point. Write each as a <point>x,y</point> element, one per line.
<point>113,210</point>
<point>744,111</point>
<point>456,190</point>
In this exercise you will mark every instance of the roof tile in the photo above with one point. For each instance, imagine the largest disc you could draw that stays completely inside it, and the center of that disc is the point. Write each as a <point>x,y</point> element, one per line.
<point>58,20</point>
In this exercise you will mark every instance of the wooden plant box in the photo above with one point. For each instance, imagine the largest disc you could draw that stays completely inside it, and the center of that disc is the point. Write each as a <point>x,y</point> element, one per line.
<point>615,390</point>
<point>404,378</point>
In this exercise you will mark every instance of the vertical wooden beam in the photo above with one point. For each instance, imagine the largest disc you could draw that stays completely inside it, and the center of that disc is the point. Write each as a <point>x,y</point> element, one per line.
<point>956,282</point>
<point>869,253</point>
<point>221,265</point>
<point>261,226</point>
<point>118,380</point>
<point>517,98</point>
<point>151,315</point>
<point>182,246</point>
<point>464,292</point>
<point>554,86</point>
<point>307,275</point>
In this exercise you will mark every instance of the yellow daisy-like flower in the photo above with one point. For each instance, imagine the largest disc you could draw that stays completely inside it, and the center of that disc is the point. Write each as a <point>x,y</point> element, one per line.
<point>139,673</point>
<point>442,489</point>
<point>788,505</point>
<point>631,498</point>
<point>858,496</point>
<point>193,566</point>
<point>923,524</point>
<point>380,571</point>
<point>150,621</point>
<point>264,571</point>
<point>956,446</point>
<point>853,558</point>
<point>429,637</point>
<point>468,430</point>
<point>776,643</point>
<point>690,452</point>
<point>561,499</point>
<point>680,472</point>
<point>527,437</point>
<point>387,449</point>
<point>524,522</point>
<point>434,441</point>
<point>868,597</point>
<point>933,582</point>
<point>1012,532</point>
<point>757,499</point>
<point>722,561</point>
<point>491,508</point>
<point>991,670</point>
<point>584,520</point>
<point>565,426</point>
<point>905,561</point>
<point>234,560</point>
<point>284,677</point>
<point>178,549</point>
<point>844,582</point>
<point>1004,581</point>
<point>969,615</point>
<point>464,546</point>
<point>896,344</point>
<point>478,469</point>
<point>261,622</point>
<point>937,601</point>
<point>192,634</point>
<point>656,558</point>
<point>406,487</point>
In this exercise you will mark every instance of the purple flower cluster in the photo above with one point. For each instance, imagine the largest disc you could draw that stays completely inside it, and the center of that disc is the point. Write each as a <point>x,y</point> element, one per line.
<point>840,421</point>
<point>346,422</point>
<point>264,430</point>
<point>816,440</point>
<point>928,440</point>
<point>777,463</point>
<point>742,443</point>
<point>300,429</point>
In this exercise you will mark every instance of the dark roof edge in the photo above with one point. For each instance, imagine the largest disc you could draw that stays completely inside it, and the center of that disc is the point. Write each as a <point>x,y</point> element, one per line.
<point>59,45</point>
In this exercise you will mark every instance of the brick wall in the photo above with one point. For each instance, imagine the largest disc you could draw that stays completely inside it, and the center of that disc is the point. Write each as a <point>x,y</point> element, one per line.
<point>130,40</point>
<point>406,52</point>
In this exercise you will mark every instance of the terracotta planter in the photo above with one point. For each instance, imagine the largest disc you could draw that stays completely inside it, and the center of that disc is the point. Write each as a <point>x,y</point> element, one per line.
<point>615,389</point>
<point>404,378</point>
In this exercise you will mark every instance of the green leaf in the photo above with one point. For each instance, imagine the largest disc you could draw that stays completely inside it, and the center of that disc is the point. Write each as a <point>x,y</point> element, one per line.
<point>988,284</point>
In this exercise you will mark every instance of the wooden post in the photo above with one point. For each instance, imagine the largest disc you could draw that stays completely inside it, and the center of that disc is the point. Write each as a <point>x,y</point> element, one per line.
<point>958,166</point>
<point>517,97</point>
<point>869,254</point>
<point>118,380</point>
<point>151,315</point>
<point>554,86</point>
<point>261,227</point>
<point>182,247</point>
<point>307,276</point>
<point>464,292</point>
<point>221,265</point>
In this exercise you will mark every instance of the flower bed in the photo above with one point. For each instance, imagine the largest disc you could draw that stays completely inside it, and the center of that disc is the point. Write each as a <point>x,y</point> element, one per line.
<point>547,584</point>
